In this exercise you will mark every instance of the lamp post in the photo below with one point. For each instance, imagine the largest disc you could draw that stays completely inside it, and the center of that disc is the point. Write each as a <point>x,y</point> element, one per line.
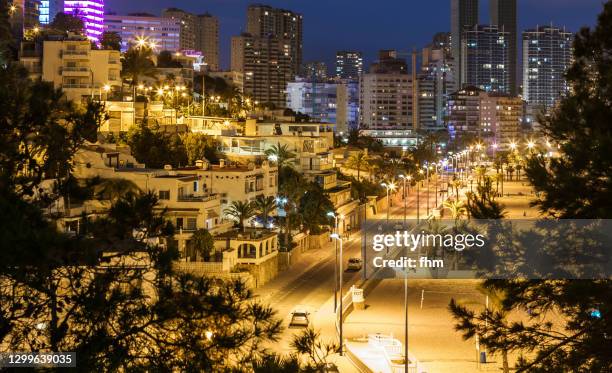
<point>419,198</point>
<point>405,178</point>
<point>332,214</point>
<point>427,175</point>
<point>339,239</point>
<point>390,186</point>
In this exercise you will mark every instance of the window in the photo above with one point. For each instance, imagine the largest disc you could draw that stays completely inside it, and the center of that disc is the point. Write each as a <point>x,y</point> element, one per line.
<point>179,223</point>
<point>164,194</point>
<point>191,224</point>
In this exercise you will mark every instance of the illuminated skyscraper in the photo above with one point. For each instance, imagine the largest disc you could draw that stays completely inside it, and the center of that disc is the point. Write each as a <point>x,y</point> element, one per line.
<point>349,64</point>
<point>464,14</point>
<point>91,12</point>
<point>503,15</point>
<point>547,54</point>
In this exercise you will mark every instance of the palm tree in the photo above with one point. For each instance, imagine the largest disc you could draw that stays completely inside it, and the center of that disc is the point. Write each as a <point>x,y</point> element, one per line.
<point>358,162</point>
<point>136,63</point>
<point>114,189</point>
<point>200,245</point>
<point>480,173</point>
<point>499,178</point>
<point>240,212</point>
<point>457,208</point>
<point>264,206</point>
<point>456,183</point>
<point>280,154</point>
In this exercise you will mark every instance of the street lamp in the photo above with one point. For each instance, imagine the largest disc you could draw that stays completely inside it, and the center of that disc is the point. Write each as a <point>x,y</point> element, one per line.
<point>390,186</point>
<point>405,178</point>
<point>331,214</point>
<point>421,172</point>
<point>339,239</point>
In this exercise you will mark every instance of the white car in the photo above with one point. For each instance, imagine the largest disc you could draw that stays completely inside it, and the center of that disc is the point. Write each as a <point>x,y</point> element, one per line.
<point>299,318</point>
<point>354,264</point>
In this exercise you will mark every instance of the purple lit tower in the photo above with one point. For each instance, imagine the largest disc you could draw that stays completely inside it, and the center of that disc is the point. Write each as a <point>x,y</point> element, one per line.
<point>92,14</point>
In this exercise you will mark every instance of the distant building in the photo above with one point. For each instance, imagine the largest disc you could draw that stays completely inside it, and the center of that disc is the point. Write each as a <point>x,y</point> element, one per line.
<point>435,82</point>
<point>187,27</point>
<point>266,65</point>
<point>464,14</point>
<point>491,117</point>
<point>207,39</point>
<point>504,16</point>
<point>314,71</point>
<point>486,59</point>
<point>385,98</point>
<point>547,54</point>
<point>349,65</point>
<point>48,10</point>
<point>326,102</point>
<point>268,22</point>
<point>91,13</point>
<point>347,106</point>
<point>165,33</point>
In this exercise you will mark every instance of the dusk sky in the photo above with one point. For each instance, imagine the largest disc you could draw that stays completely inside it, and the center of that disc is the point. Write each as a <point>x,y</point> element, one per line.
<point>331,25</point>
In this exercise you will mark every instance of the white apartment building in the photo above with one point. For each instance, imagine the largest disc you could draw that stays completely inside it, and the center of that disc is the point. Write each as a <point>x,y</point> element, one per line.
<point>236,182</point>
<point>80,71</point>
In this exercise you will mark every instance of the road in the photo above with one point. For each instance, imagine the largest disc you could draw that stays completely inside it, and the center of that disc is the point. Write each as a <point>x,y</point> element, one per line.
<point>309,283</point>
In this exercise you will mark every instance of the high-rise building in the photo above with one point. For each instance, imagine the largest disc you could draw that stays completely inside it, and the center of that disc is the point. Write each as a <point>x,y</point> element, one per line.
<point>486,59</point>
<point>435,83</point>
<point>315,99</point>
<point>504,16</point>
<point>314,71</point>
<point>347,105</point>
<point>349,65</point>
<point>91,12</point>
<point>385,98</point>
<point>187,24</point>
<point>547,54</point>
<point>266,21</point>
<point>24,16</point>
<point>491,117</point>
<point>44,16</point>
<point>266,64</point>
<point>164,33</point>
<point>207,39</point>
<point>464,14</point>
<point>49,9</point>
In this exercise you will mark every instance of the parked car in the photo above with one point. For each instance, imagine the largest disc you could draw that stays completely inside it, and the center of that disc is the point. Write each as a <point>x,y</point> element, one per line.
<point>354,264</point>
<point>299,319</point>
<point>330,368</point>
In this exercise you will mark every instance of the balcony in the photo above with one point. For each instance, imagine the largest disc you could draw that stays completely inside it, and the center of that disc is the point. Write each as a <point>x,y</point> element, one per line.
<point>75,54</point>
<point>76,86</point>
<point>75,71</point>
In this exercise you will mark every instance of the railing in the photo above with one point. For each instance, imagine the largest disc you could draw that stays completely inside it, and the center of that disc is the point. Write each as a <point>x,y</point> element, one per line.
<point>67,52</point>
<point>76,86</point>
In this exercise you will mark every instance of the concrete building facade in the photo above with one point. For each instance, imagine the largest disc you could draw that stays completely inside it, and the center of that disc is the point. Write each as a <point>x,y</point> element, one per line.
<point>464,14</point>
<point>165,33</point>
<point>207,39</point>
<point>81,72</point>
<point>266,65</point>
<point>547,54</point>
<point>349,65</point>
<point>486,59</point>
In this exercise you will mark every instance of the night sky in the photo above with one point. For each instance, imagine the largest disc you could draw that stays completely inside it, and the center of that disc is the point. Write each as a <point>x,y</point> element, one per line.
<point>331,25</point>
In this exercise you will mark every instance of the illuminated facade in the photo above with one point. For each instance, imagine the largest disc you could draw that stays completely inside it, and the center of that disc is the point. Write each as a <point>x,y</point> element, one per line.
<point>91,12</point>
